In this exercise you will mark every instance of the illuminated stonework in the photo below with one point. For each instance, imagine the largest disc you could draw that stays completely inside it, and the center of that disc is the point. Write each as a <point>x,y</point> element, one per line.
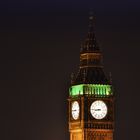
<point>91,89</point>
<point>91,98</point>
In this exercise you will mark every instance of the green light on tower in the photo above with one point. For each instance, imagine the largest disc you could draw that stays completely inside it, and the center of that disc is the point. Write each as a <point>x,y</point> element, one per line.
<point>90,89</point>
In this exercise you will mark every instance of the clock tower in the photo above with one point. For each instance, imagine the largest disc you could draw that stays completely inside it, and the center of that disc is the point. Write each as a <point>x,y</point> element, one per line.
<point>91,98</point>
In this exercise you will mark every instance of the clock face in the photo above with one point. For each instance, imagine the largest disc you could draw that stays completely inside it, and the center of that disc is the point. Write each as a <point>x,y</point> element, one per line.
<point>98,109</point>
<point>75,109</point>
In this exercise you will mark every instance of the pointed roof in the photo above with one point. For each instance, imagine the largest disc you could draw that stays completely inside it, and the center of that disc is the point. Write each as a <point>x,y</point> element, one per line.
<point>91,68</point>
<point>90,44</point>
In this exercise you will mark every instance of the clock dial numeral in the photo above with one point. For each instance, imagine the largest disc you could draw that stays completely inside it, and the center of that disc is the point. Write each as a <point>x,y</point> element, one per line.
<point>98,109</point>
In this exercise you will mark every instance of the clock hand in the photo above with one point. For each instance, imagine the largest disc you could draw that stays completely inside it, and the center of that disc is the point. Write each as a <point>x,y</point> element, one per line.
<point>97,109</point>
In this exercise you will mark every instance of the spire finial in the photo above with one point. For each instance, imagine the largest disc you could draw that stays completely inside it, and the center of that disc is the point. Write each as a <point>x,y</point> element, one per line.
<point>91,14</point>
<point>91,18</point>
<point>90,44</point>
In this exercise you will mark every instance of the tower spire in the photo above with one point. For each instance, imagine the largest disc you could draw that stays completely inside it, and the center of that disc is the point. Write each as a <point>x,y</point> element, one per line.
<point>91,68</point>
<point>90,43</point>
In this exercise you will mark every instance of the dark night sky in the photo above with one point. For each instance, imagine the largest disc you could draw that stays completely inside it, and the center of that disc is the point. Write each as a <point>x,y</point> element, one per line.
<point>39,48</point>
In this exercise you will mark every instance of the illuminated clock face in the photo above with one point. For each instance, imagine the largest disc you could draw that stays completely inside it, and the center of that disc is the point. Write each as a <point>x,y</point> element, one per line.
<point>75,109</point>
<point>98,109</point>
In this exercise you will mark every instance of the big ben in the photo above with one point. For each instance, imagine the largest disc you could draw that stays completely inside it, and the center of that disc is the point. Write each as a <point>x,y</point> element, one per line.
<point>91,98</point>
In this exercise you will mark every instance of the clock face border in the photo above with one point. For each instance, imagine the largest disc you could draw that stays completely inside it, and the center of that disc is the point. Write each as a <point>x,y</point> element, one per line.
<point>103,103</point>
<point>78,110</point>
